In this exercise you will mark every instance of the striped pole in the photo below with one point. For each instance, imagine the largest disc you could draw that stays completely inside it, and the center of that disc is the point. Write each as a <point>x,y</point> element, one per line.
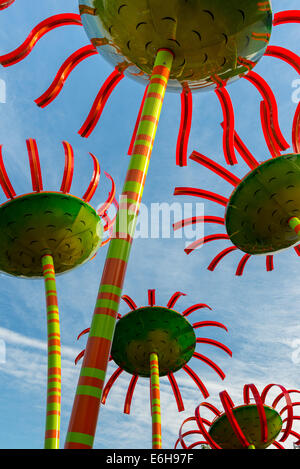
<point>82,426</point>
<point>54,357</point>
<point>294,223</point>
<point>155,402</point>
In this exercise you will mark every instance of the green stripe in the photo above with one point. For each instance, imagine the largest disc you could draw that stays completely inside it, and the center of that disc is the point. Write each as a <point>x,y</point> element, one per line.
<point>120,250</point>
<point>80,438</point>
<point>133,186</point>
<point>85,390</point>
<point>102,326</point>
<point>93,373</point>
<point>104,303</point>
<point>110,289</point>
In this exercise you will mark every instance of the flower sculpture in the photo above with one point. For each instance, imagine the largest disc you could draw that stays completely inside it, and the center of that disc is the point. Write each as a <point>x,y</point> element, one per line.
<point>248,426</point>
<point>44,232</point>
<point>262,213</point>
<point>175,44</point>
<point>153,341</point>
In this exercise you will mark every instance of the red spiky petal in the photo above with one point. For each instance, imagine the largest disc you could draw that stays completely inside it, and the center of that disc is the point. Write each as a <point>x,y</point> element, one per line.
<point>176,392</point>
<point>129,394</point>
<point>185,127</point>
<point>228,134</point>
<point>36,34</point>
<point>67,67</point>
<point>69,168</point>
<point>94,181</point>
<point>35,167</point>
<point>215,167</point>
<point>99,103</point>
<point>4,179</point>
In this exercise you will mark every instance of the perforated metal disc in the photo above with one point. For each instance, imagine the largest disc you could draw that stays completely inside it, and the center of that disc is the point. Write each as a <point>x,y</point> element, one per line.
<point>248,419</point>
<point>153,330</point>
<point>212,40</point>
<point>260,207</point>
<point>40,223</point>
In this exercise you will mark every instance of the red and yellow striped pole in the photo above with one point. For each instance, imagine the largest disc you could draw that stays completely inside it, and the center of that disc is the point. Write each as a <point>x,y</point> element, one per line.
<point>294,223</point>
<point>155,402</point>
<point>54,357</point>
<point>82,426</point>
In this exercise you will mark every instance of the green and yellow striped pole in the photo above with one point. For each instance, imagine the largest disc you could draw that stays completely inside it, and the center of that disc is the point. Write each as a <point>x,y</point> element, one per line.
<point>155,402</point>
<point>54,357</point>
<point>82,426</point>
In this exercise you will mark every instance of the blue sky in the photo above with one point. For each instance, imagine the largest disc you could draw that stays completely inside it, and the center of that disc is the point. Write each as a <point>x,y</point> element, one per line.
<point>261,310</point>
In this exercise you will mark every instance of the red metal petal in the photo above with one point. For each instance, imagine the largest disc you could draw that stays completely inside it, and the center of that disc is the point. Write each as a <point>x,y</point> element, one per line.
<point>85,331</point>
<point>79,356</point>
<point>36,34</point>
<point>197,325</point>
<point>280,396</point>
<point>99,103</point>
<point>297,249</point>
<point>151,297</point>
<point>270,263</point>
<point>185,127</point>
<point>289,407</point>
<point>197,380</point>
<point>111,197</point>
<point>270,101</point>
<point>206,239</point>
<point>69,168</point>
<point>201,426</point>
<point>194,220</point>
<point>215,167</point>
<point>110,383</point>
<point>284,54</point>
<point>244,151</point>
<point>193,308</point>
<point>228,134</point>
<point>35,167</point>
<point>181,436</point>
<point>260,407</point>
<point>94,181</point>
<point>67,67</point>
<point>129,394</point>
<point>296,130</point>
<point>5,4</point>
<point>210,363</point>
<point>274,149</point>
<point>228,406</point>
<point>287,16</point>
<point>219,257</point>
<point>176,392</point>
<point>242,264</point>
<point>130,302</point>
<point>201,193</point>
<point>277,445</point>
<point>174,298</point>
<point>4,179</point>
<point>202,340</point>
